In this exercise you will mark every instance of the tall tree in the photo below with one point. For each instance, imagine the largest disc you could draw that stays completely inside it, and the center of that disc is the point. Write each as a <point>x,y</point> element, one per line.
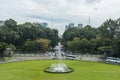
<point>11,24</point>
<point>3,46</point>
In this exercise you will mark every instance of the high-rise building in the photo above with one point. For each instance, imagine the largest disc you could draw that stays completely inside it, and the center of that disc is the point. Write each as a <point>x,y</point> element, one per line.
<point>71,25</point>
<point>66,27</point>
<point>45,25</point>
<point>2,23</point>
<point>80,25</point>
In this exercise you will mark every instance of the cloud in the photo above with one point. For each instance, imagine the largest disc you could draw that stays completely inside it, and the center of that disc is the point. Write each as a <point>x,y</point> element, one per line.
<point>60,11</point>
<point>58,20</point>
<point>93,1</point>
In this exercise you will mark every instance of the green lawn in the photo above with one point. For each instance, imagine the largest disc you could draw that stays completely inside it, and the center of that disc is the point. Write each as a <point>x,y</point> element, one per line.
<point>33,70</point>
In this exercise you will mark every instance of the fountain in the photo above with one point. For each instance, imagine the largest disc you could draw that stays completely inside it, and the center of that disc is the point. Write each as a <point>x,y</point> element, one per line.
<point>59,67</point>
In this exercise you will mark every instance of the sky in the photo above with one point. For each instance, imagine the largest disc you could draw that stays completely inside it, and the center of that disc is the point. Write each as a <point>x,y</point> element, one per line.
<point>58,13</point>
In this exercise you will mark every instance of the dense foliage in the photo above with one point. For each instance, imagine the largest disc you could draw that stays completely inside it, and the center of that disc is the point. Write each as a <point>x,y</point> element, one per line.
<point>3,46</point>
<point>36,45</point>
<point>22,35</point>
<point>94,40</point>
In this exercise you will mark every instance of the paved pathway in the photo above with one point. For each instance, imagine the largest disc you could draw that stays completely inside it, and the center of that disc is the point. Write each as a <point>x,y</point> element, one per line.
<point>47,57</point>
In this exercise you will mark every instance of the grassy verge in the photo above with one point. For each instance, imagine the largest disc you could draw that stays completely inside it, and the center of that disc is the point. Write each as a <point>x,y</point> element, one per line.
<point>83,70</point>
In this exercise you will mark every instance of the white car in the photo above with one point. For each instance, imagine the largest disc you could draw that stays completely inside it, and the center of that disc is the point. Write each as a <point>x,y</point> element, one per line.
<point>118,60</point>
<point>72,57</point>
<point>111,59</point>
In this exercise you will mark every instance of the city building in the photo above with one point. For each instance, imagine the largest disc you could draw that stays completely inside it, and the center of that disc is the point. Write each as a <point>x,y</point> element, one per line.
<point>45,25</point>
<point>71,25</point>
<point>66,27</point>
<point>80,25</point>
<point>2,23</point>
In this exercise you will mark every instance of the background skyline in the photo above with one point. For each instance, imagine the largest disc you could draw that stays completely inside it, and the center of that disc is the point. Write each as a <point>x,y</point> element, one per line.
<point>60,12</point>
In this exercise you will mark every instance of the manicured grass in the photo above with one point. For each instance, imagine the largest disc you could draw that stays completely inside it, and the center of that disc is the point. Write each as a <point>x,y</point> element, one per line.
<point>33,70</point>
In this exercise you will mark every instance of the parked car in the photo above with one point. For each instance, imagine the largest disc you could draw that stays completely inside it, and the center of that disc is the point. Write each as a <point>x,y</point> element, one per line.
<point>118,60</point>
<point>71,57</point>
<point>113,60</point>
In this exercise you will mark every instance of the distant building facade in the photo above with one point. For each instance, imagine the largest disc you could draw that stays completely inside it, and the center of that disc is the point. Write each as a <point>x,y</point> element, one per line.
<point>2,23</point>
<point>72,25</point>
<point>80,25</point>
<point>66,27</point>
<point>45,25</point>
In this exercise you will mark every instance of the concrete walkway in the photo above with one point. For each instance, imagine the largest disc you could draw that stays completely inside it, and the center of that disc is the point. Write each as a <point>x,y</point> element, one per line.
<point>48,57</point>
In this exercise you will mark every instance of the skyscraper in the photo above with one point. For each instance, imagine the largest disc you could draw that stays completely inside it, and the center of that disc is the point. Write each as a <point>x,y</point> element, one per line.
<point>66,27</point>
<point>71,25</point>
<point>80,25</point>
<point>2,23</point>
<point>44,25</point>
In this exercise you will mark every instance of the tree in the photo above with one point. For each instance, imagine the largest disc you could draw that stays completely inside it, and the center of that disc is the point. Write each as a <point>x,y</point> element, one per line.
<point>74,44</point>
<point>105,50</point>
<point>87,33</point>
<point>11,24</point>
<point>35,31</point>
<point>2,34</point>
<point>36,45</point>
<point>80,45</point>
<point>54,38</point>
<point>116,46</point>
<point>90,32</point>
<point>43,44</point>
<point>85,45</point>
<point>18,35</point>
<point>30,46</point>
<point>70,34</point>
<point>107,29</point>
<point>3,46</point>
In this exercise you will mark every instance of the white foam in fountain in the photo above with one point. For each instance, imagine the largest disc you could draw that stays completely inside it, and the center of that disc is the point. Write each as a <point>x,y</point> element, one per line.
<point>58,67</point>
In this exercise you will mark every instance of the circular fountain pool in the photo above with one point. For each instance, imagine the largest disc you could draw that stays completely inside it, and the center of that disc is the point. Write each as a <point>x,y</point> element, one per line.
<point>58,68</point>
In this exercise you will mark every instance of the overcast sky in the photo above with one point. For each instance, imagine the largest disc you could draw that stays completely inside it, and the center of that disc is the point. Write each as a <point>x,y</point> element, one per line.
<point>61,12</point>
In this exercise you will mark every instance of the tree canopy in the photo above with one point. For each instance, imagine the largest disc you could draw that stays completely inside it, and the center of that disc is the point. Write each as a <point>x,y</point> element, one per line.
<point>21,35</point>
<point>93,40</point>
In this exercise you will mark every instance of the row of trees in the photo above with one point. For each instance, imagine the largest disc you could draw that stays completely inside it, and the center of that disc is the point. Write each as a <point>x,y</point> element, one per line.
<point>105,38</point>
<point>23,35</point>
<point>36,45</point>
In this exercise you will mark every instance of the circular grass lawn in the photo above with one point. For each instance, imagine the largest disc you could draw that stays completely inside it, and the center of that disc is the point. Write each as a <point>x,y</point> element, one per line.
<point>34,70</point>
